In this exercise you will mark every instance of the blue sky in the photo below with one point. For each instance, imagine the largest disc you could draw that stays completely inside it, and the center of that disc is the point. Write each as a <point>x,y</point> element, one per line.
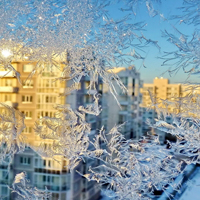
<point>153,31</point>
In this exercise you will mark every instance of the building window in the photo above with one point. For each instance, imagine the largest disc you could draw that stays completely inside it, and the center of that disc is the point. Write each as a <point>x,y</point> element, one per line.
<point>8,97</point>
<point>25,160</point>
<point>121,119</point>
<point>101,87</point>
<point>88,98</point>
<point>87,84</point>
<point>93,126</point>
<point>36,162</point>
<point>27,99</point>
<point>27,130</point>
<point>133,83</point>
<point>124,108</point>
<point>4,190</point>
<point>28,84</point>
<point>28,68</point>
<point>125,80</point>
<point>8,82</point>
<point>28,114</point>
<point>55,196</point>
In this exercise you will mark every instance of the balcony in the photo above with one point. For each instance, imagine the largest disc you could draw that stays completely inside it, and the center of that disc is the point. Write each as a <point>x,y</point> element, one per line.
<point>7,74</point>
<point>11,104</point>
<point>91,92</point>
<point>124,102</point>
<point>123,112</point>
<point>61,90</point>
<point>9,89</point>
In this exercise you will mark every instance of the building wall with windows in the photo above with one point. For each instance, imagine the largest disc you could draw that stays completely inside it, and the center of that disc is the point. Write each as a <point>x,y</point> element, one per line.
<point>126,108</point>
<point>35,96</point>
<point>161,89</point>
<point>81,97</point>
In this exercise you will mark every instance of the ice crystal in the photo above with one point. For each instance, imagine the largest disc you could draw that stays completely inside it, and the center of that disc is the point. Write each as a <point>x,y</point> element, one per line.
<point>80,34</point>
<point>133,170</point>
<point>22,190</point>
<point>185,123</point>
<point>190,12</point>
<point>132,5</point>
<point>11,127</point>
<point>83,38</point>
<point>69,133</point>
<point>187,55</point>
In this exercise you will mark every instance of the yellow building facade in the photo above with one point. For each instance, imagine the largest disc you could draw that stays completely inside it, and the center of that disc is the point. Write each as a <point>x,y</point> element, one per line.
<point>160,90</point>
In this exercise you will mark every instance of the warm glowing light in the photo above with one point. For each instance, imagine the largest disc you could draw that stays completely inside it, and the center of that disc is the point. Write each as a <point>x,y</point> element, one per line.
<point>6,53</point>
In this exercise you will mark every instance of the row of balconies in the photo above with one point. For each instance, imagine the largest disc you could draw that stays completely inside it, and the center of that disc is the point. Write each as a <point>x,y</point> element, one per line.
<point>9,89</point>
<point>7,74</point>
<point>11,104</point>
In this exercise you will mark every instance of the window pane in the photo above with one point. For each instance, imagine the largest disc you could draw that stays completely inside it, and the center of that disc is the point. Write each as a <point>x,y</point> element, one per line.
<point>28,68</point>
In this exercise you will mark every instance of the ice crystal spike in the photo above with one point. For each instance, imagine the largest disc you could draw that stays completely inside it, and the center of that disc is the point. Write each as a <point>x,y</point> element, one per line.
<point>68,130</point>
<point>131,170</point>
<point>22,190</point>
<point>87,42</point>
<point>187,54</point>
<point>11,127</point>
<point>80,34</point>
<point>190,12</point>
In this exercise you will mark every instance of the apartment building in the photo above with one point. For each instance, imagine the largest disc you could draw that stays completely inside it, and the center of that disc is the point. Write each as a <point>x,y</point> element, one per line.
<point>130,112</point>
<point>84,98</point>
<point>35,97</point>
<point>161,89</point>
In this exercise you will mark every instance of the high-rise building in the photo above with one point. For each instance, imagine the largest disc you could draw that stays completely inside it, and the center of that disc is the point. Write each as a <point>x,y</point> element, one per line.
<point>35,97</point>
<point>161,89</point>
<point>129,111</point>
<point>158,91</point>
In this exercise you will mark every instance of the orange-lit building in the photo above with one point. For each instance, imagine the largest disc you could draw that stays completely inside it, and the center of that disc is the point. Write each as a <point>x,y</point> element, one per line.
<point>35,96</point>
<point>162,90</point>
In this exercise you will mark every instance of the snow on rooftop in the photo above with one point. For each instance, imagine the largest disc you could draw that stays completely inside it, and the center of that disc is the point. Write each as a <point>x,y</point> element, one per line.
<point>192,191</point>
<point>117,70</point>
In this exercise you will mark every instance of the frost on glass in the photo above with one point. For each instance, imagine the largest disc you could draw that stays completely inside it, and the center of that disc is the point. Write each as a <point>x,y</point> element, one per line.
<point>186,57</point>
<point>11,127</point>
<point>132,170</point>
<point>83,38</point>
<point>80,34</point>
<point>69,133</point>
<point>190,12</point>
<point>132,6</point>
<point>185,123</point>
<point>21,190</point>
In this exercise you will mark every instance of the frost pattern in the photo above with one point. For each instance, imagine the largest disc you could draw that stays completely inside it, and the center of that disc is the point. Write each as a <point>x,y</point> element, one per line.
<point>69,133</point>
<point>22,190</point>
<point>185,124</point>
<point>190,12</point>
<point>82,37</point>
<point>80,34</point>
<point>11,127</point>
<point>187,54</point>
<point>133,170</point>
